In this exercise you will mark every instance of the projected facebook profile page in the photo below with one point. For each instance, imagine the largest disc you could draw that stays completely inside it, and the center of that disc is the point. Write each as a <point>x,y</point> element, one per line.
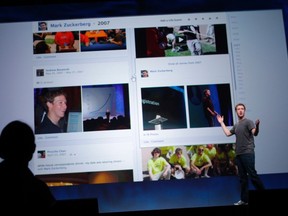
<point>168,98</point>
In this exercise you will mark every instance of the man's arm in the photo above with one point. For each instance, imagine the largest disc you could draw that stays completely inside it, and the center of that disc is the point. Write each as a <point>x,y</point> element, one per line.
<point>255,130</point>
<point>213,113</point>
<point>221,122</point>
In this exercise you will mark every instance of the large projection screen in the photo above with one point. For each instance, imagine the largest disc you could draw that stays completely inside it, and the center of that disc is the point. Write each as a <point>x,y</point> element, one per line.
<point>124,99</point>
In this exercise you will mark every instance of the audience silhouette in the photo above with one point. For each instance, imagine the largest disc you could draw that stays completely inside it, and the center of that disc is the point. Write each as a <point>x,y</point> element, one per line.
<point>20,190</point>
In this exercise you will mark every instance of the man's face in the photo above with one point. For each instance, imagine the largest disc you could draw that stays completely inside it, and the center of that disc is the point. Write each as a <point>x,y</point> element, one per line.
<point>240,110</point>
<point>43,26</point>
<point>58,106</point>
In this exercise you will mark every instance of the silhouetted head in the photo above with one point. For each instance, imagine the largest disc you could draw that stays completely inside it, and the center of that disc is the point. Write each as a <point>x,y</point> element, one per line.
<point>17,142</point>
